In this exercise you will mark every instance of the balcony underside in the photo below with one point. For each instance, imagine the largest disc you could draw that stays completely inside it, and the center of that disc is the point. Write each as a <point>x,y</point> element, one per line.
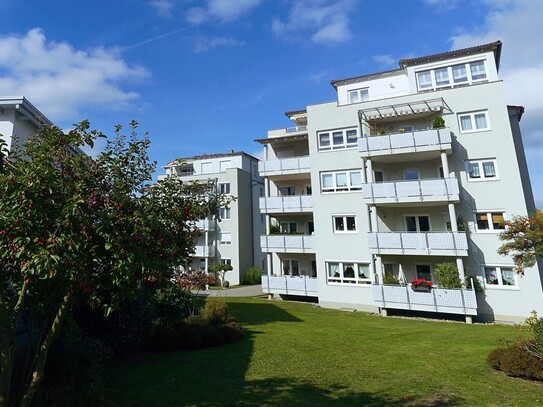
<point>290,285</point>
<point>443,300</point>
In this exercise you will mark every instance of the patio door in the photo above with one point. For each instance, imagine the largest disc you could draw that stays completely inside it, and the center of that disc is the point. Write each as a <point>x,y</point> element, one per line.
<point>417,223</point>
<point>423,271</point>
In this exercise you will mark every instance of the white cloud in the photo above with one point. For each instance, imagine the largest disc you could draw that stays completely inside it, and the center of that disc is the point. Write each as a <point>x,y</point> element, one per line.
<point>60,79</point>
<point>325,21</point>
<point>206,44</point>
<point>518,25</point>
<point>164,8</point>
<point>225,11</point>
<point>385,61</point>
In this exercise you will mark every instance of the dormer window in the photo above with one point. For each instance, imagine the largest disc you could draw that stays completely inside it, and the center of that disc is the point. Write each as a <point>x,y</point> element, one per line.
<point>461,74</point>
<point>359,95</point>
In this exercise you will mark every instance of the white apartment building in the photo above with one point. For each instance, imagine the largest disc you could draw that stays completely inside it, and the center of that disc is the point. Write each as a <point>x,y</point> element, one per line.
<point>234,238</point>
<point>364,187</point>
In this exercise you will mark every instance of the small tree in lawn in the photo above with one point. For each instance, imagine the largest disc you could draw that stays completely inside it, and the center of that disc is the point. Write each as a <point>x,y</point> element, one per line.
<point>73,227</point>
<point>524,240</point>
<point>221,270</point>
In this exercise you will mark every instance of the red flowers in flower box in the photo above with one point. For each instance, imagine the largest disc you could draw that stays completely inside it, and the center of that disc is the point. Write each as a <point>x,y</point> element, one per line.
<point>421,282</point>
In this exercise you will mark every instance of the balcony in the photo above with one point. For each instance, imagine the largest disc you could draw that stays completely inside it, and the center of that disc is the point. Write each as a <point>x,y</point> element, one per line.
<point>205,224</point>
<point>419,243</point>
<point>290,285</point>
<point>287,243</point>
<point>284,166</point>
<point>429,190</point>
<point>286,204</point>
<point>205,251</point>
<point>429,141</point>
<point>444,300</point>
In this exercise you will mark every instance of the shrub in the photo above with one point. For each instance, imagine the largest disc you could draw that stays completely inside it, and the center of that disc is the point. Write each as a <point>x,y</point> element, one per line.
<point>173,302</point>
<point>252,276</point>
<point>212,336</point>
<point>477,286</point>
<point>390,279</point>
<point>232,331</point>
<point>215,313</point>
<point>446,275</point>
<point>517,362</point>
<point>438,123</point>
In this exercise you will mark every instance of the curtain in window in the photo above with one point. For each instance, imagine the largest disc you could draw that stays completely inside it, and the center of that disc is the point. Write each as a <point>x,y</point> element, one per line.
<point>480,121</point>
<point>465,123</point>
<point>363,271</point>
<point>490,275</point>
<point>333,269</point>
<point>473,170</point>
<point>425,79</point>
<point>442,76</point>
<point>489,170</point>
<point>477,70</point>
<point>337,137</point>
<point>459,73</point>
<point>352,136</point>
<point>508,276</point>
<point>324,139</point>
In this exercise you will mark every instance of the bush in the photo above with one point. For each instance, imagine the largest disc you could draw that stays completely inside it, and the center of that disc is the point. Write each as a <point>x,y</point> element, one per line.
<point>73,374</point>
<point>477,286</point>
<point>390,279</point>
<point>438,123</point>
<point>517,362</point>
<point>232,331</point>
<point>173,302</point>
<point>252,276</point>
<point>535,328</point>
<point>215,313</point>
<point>446,275</point>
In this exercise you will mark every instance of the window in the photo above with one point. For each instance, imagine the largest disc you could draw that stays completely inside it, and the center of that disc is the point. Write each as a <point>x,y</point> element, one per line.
<point>344,223</point>
<point>226,238</point>
<point>417,223</point>
<point>290,267</point>
<point>226,262</point>
<point>481,169</point>
<point>338,139</point>
<point>410,174</point>
<point>288,227</point>
<point>224,213</point>
<point>455,75</point>
<point>348,273</point>
<point>224,187</point>
<point>202,264</point>
<point>423,271</point>
<point>341,181</point>
<point>475,121</point>
<point>287,191</point>
<point>489,221</point>
<point>500,276</point>
<point>359,95</point>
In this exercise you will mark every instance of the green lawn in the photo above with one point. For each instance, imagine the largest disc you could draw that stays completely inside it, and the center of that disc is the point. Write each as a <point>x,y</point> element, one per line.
<point>299,355</point>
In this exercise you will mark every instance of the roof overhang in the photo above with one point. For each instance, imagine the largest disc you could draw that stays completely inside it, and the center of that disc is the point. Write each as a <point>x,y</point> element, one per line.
<point>25,109</point>
<point>399,111</point>
<point>281,139</point>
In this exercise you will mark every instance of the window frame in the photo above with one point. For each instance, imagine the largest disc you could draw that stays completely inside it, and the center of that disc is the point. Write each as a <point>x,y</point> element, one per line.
<point>499,277</point>
<point>473,121</point>
<point>490,228</point>
<point>468,77</point>
<point>349,187</point>
<point>482,176</point>
<point>345,229</point>
<point>340,279</point>
<point>225,213</point>
<point>226,186</point>
<point>331,146</point>
<point>362,95</point>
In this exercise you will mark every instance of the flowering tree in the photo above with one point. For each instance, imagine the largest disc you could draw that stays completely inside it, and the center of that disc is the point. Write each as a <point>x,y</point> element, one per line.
<point>524,236</point>
<point>75,227</point>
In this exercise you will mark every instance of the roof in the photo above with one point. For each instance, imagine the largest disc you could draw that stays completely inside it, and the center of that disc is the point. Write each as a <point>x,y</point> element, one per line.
<point>495,46</point>
<point>25,108</point>
<point>519,109</point>
<point>210,156</point>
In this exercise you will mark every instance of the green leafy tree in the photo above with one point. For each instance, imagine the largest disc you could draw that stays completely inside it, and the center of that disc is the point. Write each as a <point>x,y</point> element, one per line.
<point>524,240</point>
<point>73,227</point>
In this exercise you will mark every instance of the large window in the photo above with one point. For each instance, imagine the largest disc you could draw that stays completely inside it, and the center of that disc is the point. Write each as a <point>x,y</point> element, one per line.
<point>340,181</point>
<point>348,273</point>
<point>490,221</point>
<point>224,213</point>
<point>500,276</point>
<point>344,223</point>
<point>474,121</point>
<point>359,95</point>
<point>482,170</point>
<point>417,223</point>
<point>290,267</point>
<point>450,76</point>
<point>337,139</point>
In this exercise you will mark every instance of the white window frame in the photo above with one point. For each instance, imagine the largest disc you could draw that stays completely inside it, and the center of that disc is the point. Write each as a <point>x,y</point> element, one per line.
<point>473,121</point>
<point>341,188</point>
<point>340,279</point>
<point>223,238</point>
<point>417,217</point>
<point>225,213</point>
<point>336,134</point>
<point>345,223</point>
<point>490,228</point>
<point>225,261</point>
<point>289,263</point>
<point>358,95</point>
<point>224,188</point>
<point>499,277</point>
<point>481,169</point>
<point>466,79</point>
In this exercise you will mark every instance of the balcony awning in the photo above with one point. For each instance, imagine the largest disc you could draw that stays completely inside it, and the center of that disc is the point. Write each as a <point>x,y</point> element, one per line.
<point>393,112</point>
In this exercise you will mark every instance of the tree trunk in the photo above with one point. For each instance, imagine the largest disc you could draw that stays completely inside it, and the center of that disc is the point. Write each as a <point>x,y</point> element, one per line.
<point>41,357</point>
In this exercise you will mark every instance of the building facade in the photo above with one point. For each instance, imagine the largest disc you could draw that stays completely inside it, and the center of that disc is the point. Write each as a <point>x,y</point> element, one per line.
<point>234,238</point>
<point>372,188</point>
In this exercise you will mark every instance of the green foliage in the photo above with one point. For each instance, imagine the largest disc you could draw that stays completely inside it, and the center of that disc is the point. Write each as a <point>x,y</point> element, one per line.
<point>477,286</point>
<point>534,326</point>
<point>438,123</point>
<point>275,229</point>
<point>390,279</point>
<point>516,361</point>
<point>173,302</point>
<point>524,240</point>
<point>215,313</point>
<point>252,276</point>
<point>446,275</point>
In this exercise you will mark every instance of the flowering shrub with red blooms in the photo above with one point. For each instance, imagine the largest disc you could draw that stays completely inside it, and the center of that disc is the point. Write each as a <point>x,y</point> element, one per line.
<point>524,236</point>
<point>421,282</point>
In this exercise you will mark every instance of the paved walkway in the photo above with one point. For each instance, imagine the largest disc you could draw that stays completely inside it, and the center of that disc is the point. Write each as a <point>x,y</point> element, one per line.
<point>239,291</point>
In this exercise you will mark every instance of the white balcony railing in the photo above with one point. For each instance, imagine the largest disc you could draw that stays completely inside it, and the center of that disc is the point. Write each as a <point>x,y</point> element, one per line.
<point>280,204</point>
<point>444,300</point>
<point>428,190</point>
<point>287,243</point>
<point>283,166</point>
<point>205,224</point>
<point>291,285</point>
<point>205,251</point>
<point>417,141</point>
<point>419,243</point>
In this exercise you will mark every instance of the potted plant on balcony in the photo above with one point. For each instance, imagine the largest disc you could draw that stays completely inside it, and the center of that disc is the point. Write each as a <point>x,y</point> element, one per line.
<point>420,284</point>
<point>438,123</point>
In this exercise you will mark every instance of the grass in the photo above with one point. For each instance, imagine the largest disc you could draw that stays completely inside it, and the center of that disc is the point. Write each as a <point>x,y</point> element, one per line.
<point>295,354</point>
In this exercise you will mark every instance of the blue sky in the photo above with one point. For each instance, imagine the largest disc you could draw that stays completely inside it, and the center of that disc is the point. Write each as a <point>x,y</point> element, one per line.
<point>206,76</point>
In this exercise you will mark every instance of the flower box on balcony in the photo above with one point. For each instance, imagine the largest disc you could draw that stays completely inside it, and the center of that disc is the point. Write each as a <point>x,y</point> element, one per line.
<point>420,284</point>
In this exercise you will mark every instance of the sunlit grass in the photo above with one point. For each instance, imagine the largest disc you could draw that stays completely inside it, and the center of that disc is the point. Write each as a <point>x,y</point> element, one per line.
<point>299,355</point>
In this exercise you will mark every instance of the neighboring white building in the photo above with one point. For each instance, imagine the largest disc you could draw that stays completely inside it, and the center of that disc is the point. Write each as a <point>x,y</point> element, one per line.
<point>364,187</point>
<point>234,239</point>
